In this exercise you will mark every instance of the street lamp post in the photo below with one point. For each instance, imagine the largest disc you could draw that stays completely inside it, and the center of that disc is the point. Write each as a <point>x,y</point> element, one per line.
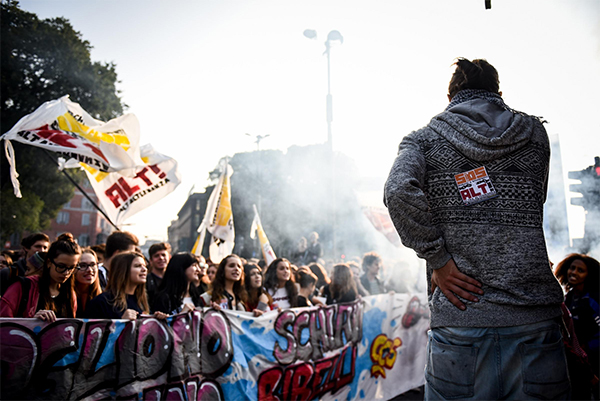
<point>259,138</point>
<point>331,37</point>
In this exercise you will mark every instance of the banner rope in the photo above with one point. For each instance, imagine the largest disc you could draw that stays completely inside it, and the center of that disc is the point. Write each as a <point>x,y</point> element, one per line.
<point>82,191</point>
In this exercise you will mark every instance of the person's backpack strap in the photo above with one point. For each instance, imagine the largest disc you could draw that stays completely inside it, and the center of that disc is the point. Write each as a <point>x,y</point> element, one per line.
<point>25,287</point>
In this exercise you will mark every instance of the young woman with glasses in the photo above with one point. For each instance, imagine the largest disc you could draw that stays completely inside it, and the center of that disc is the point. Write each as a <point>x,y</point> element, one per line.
<point>87,283</point>
<point>50,295</point>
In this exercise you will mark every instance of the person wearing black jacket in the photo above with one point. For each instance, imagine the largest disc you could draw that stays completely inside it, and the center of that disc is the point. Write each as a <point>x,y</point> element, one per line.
<point>177,292</point>
<point>159,254</point>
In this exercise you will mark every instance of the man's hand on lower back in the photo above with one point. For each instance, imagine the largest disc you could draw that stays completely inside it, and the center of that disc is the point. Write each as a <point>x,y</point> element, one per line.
<point>452,283</point>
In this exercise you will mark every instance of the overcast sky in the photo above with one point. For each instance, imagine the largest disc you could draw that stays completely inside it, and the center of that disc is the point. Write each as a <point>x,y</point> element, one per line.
<point>199,75</point>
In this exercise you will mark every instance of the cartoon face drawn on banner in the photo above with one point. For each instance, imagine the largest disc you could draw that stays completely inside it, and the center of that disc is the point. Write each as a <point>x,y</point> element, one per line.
<point>383,354</point>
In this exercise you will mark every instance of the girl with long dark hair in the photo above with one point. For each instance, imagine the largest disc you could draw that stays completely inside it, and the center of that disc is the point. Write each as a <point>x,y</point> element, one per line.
<point>259,301</point>
<point>177,292</point>
<point>227,288</point>
<point>87,281</point>
<point>50,295</point>
<point>280,284</point>
<point>342,288</point>
<point>579,274</point>
<point>125,294</point>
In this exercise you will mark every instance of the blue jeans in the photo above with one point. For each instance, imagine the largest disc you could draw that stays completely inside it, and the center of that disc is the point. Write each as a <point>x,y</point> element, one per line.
<point>521,363</point>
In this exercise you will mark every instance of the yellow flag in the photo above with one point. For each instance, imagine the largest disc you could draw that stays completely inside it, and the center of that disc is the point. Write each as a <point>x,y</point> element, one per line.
<point>218,219</point>
<point>265,246</point>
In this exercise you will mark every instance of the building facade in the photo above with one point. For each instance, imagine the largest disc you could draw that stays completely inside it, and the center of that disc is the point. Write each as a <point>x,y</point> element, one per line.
<point>184,231</point>
<point>80,218</point>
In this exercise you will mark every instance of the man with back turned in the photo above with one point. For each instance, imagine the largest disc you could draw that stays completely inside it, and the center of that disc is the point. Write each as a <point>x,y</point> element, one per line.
<point>466,192</point>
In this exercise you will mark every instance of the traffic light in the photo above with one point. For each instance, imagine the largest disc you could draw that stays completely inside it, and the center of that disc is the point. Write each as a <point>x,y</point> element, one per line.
<point>589,187</point>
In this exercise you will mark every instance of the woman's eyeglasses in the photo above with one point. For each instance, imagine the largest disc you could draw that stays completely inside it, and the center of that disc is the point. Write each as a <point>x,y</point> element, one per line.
<point>84,266</point>
<point>61,267</point>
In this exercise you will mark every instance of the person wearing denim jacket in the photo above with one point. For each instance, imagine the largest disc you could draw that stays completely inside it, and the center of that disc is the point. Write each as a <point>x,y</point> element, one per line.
<point>466,192</point>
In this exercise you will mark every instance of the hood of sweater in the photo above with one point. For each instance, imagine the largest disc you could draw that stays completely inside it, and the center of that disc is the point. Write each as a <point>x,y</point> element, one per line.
<point>483,131</point>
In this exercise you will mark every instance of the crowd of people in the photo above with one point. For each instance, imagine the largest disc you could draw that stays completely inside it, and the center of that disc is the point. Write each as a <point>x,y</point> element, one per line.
<point>116,281</point>
<point>59,279</point>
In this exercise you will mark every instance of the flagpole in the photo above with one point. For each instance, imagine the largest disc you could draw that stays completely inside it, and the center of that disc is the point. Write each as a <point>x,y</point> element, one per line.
<point>82,191</point>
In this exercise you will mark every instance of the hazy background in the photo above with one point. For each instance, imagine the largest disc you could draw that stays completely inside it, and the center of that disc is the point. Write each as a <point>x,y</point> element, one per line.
<point>199,75</point>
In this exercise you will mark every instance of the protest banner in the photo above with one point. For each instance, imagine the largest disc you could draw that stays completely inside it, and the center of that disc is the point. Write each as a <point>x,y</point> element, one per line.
<point>65,128</point>
<point>373,348</point>
<point>265,246</point>
<point>218,218</point>
<point>121,197</point>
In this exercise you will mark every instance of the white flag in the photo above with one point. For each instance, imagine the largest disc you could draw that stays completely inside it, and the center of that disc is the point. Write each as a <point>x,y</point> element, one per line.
<point>218,219</point>
<point>62,126</point>
<point>265,246</point>
<point>121,197</point>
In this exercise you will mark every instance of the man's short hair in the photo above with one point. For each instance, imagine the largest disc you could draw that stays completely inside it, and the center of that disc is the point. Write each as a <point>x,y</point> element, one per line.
<point>161,246</point>
<point>119,241</point>
<point>99,249</point>
<point>476,74</point>
<point>368,259</point>
<point>28,241</point>
<point>306,278</point>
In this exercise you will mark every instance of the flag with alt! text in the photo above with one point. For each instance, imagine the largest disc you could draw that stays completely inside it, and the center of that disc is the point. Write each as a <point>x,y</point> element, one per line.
<point>218,219</point>
<point>121,197</point>
<point>265,246</point>
<point>65,128</point>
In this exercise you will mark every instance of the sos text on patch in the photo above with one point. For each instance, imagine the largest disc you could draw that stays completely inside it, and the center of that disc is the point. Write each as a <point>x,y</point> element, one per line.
<point>475,186</point>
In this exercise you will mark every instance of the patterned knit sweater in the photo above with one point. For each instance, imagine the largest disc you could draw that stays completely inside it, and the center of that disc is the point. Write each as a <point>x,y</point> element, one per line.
<point>498,241</point>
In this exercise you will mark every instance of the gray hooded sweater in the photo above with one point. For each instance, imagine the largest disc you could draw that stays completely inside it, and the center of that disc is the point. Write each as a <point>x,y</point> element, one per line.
<point>498,241</point>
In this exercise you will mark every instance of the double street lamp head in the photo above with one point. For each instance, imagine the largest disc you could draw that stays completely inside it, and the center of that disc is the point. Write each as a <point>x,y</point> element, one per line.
<point>331,36</point>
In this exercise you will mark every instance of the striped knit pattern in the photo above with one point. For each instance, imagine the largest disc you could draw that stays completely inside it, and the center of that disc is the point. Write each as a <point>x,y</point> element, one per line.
<point>500,241</point>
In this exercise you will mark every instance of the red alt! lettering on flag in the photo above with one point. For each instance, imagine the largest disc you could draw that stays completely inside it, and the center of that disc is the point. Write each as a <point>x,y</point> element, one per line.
<point>475,186</point>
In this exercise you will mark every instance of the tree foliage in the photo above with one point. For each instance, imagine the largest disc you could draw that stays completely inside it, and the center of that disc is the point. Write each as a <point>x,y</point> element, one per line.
<point>43,60</point>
